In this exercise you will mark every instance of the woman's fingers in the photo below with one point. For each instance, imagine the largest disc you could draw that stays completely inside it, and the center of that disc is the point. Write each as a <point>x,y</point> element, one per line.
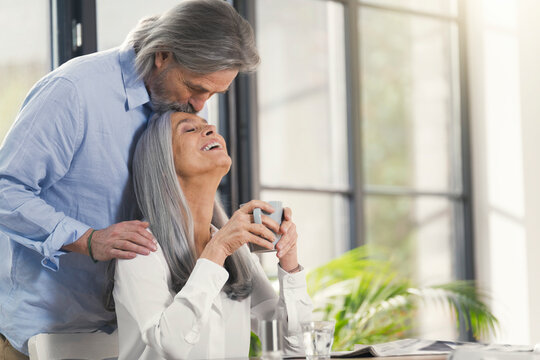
<point>262,231</point>
<point>254,239</point>
<point>287,220</point>
<point>287,241</point>
<point>287,214</point>
<point>284,250</point>
<point>241,228</point>
<point>248,208</point>
<point>270,223</point>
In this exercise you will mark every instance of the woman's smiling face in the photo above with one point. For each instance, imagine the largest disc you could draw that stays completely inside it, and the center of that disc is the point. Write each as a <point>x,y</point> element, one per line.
<point>197,147</point>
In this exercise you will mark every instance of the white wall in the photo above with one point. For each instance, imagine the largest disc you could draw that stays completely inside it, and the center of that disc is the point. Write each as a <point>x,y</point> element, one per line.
<point>504,81</point>
<point>529,20</point>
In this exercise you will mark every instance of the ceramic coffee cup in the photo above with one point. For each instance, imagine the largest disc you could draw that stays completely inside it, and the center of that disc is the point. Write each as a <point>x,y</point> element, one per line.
<point>277,216</point>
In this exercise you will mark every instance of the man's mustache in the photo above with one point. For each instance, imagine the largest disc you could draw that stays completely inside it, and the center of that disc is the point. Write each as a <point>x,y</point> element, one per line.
<point>162,105</point>
<point>187,108</point>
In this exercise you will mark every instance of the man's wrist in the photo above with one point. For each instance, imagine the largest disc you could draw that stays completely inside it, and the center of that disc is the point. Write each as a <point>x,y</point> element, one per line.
<point>80,245</point>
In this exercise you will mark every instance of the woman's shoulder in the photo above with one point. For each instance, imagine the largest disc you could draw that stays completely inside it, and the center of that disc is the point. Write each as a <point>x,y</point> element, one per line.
<point>151,263</point>
<point>140,260</point>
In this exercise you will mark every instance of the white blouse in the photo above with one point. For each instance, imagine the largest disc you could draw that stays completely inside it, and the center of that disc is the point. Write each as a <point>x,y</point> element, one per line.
<point>200,321</point>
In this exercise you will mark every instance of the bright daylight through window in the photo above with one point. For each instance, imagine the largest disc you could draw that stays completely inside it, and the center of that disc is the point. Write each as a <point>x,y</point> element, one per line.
<point>408,150</point>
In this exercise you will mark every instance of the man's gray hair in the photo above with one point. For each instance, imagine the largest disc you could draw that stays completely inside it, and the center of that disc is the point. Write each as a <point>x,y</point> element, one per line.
<point>164,206</point>
<point>204,36</point>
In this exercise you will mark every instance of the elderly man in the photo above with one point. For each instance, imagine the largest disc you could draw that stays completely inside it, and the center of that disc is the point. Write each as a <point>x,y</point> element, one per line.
<point>66,199</point>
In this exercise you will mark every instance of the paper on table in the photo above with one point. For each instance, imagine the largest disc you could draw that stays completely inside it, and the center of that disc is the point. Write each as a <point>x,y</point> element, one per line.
<point>422,347</point>
<point>471,354</point>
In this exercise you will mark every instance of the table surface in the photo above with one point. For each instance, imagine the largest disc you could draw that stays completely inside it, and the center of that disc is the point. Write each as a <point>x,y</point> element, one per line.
<point>414,357</point>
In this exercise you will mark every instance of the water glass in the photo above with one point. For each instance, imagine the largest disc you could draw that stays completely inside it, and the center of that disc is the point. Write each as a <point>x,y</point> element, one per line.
<point>318,338</point>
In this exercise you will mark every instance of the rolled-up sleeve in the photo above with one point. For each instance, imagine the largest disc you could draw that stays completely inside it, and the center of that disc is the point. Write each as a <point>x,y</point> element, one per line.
<point>170,325</point>
<point>37,153</point>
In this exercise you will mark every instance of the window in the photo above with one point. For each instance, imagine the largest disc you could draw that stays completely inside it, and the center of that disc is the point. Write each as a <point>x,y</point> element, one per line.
<point>411,138</point>
<point>362,132</point>
<point>112,29</point>
<point>302,118</point>
<point>24,54</point>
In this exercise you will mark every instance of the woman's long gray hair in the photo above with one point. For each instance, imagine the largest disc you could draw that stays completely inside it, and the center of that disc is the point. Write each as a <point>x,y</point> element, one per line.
<point>204,36</point>
<point>164,206</point>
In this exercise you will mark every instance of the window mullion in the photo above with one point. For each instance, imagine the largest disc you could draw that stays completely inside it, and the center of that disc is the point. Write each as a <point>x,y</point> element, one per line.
<point>354,119</point>
<point>73,29</point>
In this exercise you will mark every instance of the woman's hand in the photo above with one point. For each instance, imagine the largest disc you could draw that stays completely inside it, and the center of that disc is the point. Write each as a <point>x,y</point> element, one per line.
<point>286,246</point>
<point>239,230</point>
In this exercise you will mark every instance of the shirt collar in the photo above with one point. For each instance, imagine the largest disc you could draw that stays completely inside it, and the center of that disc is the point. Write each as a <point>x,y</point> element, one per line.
<point>136,93</point>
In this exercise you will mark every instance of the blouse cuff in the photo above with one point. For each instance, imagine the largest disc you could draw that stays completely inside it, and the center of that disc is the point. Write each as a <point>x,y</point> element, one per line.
<point>295,280</point>
<point>208,277</point>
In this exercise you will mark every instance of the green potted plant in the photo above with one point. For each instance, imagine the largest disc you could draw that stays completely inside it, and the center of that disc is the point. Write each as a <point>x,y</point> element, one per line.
<point>372,303</point>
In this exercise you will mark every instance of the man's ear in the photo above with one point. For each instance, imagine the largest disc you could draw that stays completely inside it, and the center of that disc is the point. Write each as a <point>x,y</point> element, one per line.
<point>161,59</point>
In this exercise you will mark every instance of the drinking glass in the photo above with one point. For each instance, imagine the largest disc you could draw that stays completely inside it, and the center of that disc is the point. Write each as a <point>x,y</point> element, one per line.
<point>318,337</point>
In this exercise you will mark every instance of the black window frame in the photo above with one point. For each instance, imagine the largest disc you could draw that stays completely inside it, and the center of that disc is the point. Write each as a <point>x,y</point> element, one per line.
<point>73,29</point>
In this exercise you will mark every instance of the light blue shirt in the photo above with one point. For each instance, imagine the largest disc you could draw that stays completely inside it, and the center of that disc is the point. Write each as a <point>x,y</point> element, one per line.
<point>65,167</point>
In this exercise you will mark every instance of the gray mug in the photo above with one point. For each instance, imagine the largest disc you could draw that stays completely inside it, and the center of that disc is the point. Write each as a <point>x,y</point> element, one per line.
<point>277,216</point>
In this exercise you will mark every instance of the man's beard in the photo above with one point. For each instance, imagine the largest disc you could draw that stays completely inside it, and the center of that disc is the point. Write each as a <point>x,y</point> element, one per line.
<point>159,100</point>
<point>161,105</point>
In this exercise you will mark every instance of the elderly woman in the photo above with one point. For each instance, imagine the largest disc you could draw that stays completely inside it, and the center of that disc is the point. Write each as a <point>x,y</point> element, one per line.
<point>202,292</point>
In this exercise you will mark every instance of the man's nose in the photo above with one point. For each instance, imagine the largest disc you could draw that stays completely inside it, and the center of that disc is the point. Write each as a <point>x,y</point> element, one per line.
<point>198,102</point>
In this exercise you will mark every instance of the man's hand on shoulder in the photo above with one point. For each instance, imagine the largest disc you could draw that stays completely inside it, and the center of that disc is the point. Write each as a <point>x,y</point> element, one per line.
<point>119,241</point>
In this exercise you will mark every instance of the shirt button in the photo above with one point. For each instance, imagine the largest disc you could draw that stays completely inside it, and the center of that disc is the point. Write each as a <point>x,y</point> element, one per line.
<point>290,280</point>
<point>192,338</point>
